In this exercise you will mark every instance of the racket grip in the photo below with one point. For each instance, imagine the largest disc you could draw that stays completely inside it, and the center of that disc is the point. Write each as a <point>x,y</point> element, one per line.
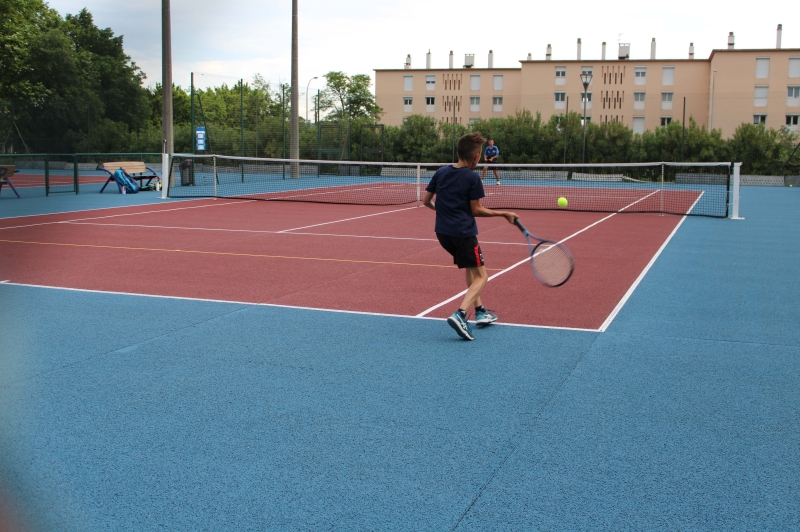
<point>519,224</point>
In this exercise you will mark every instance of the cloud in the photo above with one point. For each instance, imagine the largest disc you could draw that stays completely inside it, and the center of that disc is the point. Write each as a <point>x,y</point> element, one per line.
<point>247,37</point>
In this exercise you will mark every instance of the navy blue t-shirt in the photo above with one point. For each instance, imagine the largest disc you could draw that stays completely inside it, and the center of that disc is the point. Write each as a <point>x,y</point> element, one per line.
<point>454,189</point>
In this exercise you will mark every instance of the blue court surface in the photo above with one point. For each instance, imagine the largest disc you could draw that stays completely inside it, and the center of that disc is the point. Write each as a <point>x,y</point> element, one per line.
<point>123,412</point>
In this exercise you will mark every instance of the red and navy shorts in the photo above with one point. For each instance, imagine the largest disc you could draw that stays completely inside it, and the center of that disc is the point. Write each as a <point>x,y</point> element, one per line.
<point>465,250</point>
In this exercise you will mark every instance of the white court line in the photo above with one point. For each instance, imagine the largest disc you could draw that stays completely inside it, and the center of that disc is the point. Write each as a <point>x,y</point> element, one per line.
<point>273,305</point>
<point>263,231</point>
<point>639,279</point>
<point>348,219</point>
<point>125,214</point>
<point>99,209</point>
<point>526,259</point>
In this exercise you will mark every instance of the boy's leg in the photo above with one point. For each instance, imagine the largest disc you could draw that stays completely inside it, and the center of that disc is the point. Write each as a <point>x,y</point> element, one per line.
<point>470,278</point>
<point>476,281</point>
<point>483,173</point>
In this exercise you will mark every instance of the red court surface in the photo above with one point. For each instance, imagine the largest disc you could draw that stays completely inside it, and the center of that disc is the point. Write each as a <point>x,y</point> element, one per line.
<point>354,258</point>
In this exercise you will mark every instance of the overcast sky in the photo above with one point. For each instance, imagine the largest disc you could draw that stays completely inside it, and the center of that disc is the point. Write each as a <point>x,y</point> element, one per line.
<point>240,38</point>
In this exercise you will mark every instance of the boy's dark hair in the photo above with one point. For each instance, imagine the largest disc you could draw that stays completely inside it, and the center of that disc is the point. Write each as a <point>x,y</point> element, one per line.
<point>469,145</point>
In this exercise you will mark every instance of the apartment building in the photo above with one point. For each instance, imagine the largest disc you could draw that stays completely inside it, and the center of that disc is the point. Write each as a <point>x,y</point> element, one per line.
<point>730,87</point>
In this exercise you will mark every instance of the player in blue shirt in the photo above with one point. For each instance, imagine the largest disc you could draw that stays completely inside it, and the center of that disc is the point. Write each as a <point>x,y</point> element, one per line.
<point>492,157</point>
<point>458,192</point>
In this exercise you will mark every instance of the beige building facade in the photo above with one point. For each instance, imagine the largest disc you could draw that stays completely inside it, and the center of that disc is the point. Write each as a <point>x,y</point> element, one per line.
<point>727,89</point>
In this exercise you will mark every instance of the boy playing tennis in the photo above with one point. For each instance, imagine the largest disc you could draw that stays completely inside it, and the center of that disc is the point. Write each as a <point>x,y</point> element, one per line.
<point>458,192</point>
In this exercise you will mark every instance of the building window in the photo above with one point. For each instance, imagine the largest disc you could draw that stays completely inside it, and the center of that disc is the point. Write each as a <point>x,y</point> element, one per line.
<point>473,120</point>
<point>760,96</point>
<point>474,104</point>
<point>638,124</point>
<point>666,120</point>
<point>498,83</point>
<point>588,120</point>
<point>666,100</point>
<point>794,67</point>
<point>792,120</point>
<point>561,96</point>
<point>762,67</point>
<point>759,119</point>
<point>638,100</point>
<point>430,82</point>
<point>430,102</point>
<point>405,119</point>
<point>586,70</point>
<point>793,97</point>
<point>408,83</point>
<point>561,75</point>
<point>407,101</point>
<point>640,76</point>
<point>475,83</point>
<point>497,104</point>
<point>586,96</point>
<point>668,75</point>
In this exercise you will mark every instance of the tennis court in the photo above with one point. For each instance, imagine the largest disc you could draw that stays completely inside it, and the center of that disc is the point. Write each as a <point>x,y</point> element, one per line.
<point>226,363</point>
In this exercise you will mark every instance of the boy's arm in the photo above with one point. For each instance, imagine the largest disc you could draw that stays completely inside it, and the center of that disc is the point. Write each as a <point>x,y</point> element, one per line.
<point>428,201</point>
<point>480,211</point>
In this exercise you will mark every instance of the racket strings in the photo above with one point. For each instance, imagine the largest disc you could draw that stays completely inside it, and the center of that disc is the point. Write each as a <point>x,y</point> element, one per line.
<point>552,264</point>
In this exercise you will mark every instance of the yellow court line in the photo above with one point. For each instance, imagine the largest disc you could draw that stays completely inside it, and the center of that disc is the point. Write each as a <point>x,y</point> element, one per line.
<point>233,254</point>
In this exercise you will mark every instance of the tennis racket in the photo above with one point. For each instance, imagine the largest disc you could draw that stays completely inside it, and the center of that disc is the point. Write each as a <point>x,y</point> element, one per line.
<point>551,262</point>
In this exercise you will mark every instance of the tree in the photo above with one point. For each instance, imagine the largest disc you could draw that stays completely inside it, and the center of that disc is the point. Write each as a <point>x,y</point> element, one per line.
<point>348,97</point>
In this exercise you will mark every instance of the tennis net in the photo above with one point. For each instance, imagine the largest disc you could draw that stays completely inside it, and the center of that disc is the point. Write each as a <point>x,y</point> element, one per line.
<point>674,188</point>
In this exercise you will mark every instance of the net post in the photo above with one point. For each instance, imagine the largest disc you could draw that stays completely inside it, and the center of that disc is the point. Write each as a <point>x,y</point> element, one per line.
<point>214,158</point>
<point>165,172</point>
<point>46,174</point>
<point>419,181</point>
<point>735,201</point>
<point>662,190</point>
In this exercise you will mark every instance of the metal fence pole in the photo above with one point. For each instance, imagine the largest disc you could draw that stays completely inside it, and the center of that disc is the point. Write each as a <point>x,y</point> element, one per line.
<point>46,174</point>
<point>75,173</point>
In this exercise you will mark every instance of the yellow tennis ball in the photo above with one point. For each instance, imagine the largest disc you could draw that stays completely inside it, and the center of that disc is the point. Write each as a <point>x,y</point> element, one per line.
<point>562,202</point>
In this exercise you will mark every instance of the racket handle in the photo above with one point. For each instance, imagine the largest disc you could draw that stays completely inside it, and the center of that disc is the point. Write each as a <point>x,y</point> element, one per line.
<point>519,224</point>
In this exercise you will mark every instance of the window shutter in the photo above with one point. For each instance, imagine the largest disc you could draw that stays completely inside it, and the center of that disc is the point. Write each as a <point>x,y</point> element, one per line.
<point>475,83</point>
<point>762,67</point>
<point>794,67</point>
<point>408,83</point>
<point>498,83</point>
<point>668,76</point>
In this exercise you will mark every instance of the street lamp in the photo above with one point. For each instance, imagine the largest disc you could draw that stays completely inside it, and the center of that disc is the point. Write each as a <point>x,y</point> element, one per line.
<point>586,78</point>
<point>307,86</point>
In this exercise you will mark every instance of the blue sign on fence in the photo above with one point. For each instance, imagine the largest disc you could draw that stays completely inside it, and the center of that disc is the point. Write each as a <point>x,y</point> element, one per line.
<point>201,138</point>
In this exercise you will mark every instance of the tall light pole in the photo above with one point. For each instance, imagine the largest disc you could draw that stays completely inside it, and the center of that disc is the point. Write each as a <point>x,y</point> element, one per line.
<point>586,78</point>
<point>294,122</point>
<point>307,86</point>
<point>712,100</point>
<point>167,146</point>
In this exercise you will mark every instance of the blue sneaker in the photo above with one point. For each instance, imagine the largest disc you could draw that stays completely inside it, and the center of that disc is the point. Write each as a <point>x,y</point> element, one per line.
<point>485,317</point>
<point>461,326</point>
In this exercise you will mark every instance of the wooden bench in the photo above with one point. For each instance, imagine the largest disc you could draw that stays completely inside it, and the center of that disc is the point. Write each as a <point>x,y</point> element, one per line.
<point>6,171</point>
<point>133,169</point>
